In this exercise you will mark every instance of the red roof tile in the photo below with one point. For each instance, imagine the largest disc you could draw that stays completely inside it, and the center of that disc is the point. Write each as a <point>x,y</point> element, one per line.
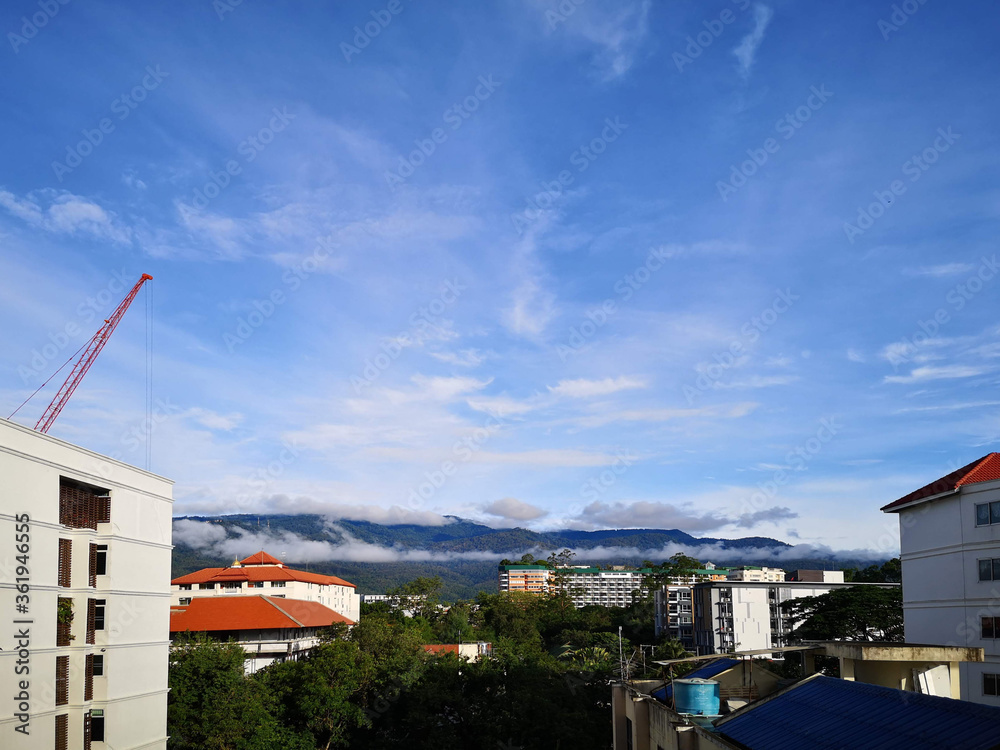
<point>261,558</point>
<point>207,614</point>
<point>985,469</point>
<point>259,572</point>
<point>441,648</point>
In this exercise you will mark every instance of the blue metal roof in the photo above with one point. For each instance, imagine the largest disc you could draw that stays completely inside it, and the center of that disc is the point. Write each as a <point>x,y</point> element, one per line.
<point>706,672</point>
<point>825,713</point>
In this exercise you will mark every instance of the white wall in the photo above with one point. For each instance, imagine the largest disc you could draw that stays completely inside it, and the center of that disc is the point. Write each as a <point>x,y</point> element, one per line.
<point>943,598</point>
<point>134,693</point>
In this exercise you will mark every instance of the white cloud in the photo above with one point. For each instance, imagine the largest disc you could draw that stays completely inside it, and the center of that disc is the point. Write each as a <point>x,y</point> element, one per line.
<point>617,28</point>
<point>759,381</point>
<point>947,372</point>
<point>214,420</point>
<point>462,358</point>
<point>583,388</point>
<point>746,51</point>
<point>514,509</point>
<point>733,411</point>
<point>446,389</point>
<point>854,355</point>
<point>945,269</point>
<point>66,214</point>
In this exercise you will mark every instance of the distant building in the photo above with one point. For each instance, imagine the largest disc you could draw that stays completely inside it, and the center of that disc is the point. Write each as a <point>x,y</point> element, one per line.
<point>756,574</point>
<point>590,585</point>
<point>268,628</point>
<point>949,536</point>
<point>262,573</point>
<point>816,576</point>
<point>84,591</point>
<point>747,615</point>
<point>469,651</point>
<point>673,613</point>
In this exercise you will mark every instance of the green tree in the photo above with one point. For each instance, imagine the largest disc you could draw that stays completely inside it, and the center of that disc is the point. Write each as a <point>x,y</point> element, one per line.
<point>213,706</point>
<point>319,694</point>
<point>861,613</point>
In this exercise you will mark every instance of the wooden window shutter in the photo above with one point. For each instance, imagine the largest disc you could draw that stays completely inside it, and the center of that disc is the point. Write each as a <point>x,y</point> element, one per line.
<point>62,680</point>
<point>88,679</point>
<point>91,613</point>
<point>86,731</point>
<point>93,566</point>
<point>65,562</point>
<point>62,732</point>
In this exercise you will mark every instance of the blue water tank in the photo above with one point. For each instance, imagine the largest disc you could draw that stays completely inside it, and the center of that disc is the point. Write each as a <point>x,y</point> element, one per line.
<point>696,696</point>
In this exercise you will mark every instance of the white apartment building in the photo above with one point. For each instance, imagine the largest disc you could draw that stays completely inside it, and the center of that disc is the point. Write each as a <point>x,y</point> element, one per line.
<point>753,573</point>
<point>262,573</point>
<point>85,593</point>
<point>673,612</point>
<point>949,537</point>
<point>746,615</point>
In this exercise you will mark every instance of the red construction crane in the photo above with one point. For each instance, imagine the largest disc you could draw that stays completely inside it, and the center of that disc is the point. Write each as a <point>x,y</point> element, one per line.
<point>89,353</point>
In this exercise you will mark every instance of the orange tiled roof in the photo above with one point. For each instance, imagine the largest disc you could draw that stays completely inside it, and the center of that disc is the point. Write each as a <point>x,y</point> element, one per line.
<point>261,558</point>
<point>259,571</point>
<point>206,614</point>
<point>441,648</point>
<point>985,469</point>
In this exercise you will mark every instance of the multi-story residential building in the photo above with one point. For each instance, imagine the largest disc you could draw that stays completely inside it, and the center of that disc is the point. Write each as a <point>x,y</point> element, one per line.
<point>755,573</point>
<point>262,573</point>
<point>85,585</point>
<point>673,612</point>
<point>268,628</point>
<point>949,537</point>
<point>747,615</point>
<point>531,578</point>
<point>589,585</point>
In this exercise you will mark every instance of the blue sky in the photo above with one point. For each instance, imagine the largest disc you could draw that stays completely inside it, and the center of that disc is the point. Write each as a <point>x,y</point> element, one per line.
<point>728,267</point>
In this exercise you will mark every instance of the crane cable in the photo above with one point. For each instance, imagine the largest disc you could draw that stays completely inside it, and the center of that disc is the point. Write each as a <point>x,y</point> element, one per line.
<point>72,357</point>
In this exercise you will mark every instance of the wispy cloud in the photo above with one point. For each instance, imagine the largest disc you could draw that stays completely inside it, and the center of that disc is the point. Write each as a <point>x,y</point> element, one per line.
<point>514,509</point>
<point>944,269</point>
<point>67,214</point>
<point>583,388</point>
<point>746,50</point>
<point>947,372</point>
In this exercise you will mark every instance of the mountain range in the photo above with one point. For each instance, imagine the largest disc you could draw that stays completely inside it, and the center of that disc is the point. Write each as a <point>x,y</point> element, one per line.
<point>463,553</point>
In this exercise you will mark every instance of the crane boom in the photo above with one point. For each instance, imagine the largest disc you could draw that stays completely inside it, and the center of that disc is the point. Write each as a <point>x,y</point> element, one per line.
<point>86,359</point>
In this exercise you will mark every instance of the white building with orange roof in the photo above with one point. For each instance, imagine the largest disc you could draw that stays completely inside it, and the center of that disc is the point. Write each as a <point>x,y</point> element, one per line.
<point>268,629</point>
<point>262,573</point>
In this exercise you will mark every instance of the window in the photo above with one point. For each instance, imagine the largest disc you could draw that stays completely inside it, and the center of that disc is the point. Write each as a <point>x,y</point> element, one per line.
<point>98,665</point>
<point>277,584</point>
<point>65,562</point>
<point>83,506</point>
<point>991,684</point>
<point>99,607</point>
<point>62,732</point>
<point>989,570</point>
<point>278,596</point>
<point>184,586</point>
<point>62,680</point>
<point>102,559</point>
<point>628,734</point>
<point>987,513</point>
<point>255,585</point>
<point>206,586</point>
<point>97,726</point>
<point>184,600</point>
<point>990,628</point>
<point>232,585</point>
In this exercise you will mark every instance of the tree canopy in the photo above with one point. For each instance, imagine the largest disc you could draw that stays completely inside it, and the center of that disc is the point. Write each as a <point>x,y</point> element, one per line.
<point>863,613</point>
